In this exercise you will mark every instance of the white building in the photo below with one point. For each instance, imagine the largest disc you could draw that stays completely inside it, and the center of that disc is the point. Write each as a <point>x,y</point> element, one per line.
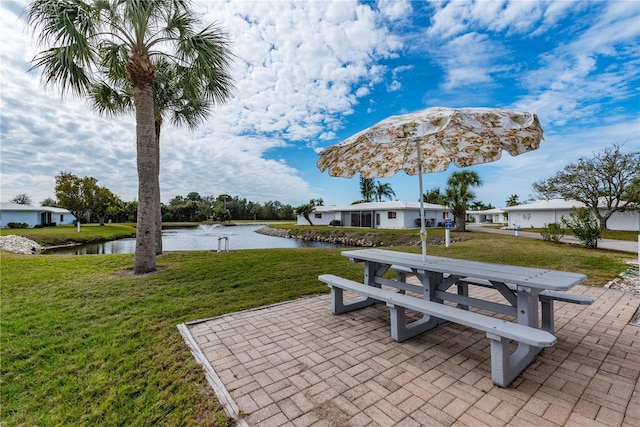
<point>392,215</point>
<point>493,216</point>
<point>541,212</point>
<point>33,215</point>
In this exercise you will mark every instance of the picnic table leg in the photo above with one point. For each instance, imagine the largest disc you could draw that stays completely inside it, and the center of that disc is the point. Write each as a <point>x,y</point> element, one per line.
<point>547,314</point>
<point>430,284</point>
<point>527,306</point>
<point>338,306</point>
<point>504,367</point>
<point>463,290</point>
<point>401,331</point>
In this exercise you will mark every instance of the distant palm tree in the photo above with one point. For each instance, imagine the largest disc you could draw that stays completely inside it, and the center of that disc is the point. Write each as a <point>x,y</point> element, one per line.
<point>382,191</point>
<point>513,200</point>
<point>433,196</point>
<point>307,209</point>
<point>89,41</point>
<point>366,188</point>
<point>174,96</point>
<point>458,195</point>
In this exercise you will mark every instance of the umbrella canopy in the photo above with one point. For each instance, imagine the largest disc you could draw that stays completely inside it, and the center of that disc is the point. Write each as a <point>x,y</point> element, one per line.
<point>429,141</point>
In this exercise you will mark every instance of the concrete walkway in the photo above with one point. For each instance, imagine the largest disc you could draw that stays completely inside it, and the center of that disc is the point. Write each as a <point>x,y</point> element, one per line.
<point>296,364</point>
<point>616,245</point>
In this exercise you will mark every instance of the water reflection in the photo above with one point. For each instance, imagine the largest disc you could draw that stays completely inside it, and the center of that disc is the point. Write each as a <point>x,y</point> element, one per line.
<point>203,237</point>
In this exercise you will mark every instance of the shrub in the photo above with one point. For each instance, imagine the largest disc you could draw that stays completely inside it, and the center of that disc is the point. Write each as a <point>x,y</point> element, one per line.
<point>335,223</point>
<point>17,225</point>
<point>552,232</point>
<point>584,225</point>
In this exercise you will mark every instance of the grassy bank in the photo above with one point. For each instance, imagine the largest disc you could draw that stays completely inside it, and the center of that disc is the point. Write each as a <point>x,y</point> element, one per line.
<point>69,234</point>
<point>84,342</point>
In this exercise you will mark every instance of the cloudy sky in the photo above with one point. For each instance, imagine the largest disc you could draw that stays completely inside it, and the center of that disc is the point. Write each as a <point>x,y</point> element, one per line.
<point>309,74</point>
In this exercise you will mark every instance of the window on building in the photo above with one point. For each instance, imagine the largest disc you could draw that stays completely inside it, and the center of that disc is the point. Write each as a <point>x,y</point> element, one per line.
<point>61,218</point>
<point>318,215</point>
<point>392,215</point>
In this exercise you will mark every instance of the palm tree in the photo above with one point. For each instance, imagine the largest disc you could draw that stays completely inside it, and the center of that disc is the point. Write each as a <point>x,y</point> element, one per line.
<point>513,200</point>
<point>307,209</point>
<point>103,40</point>
<point>366,188</point>
<point>382,191</point>
<point>433,196</point>
<point>458,194</point>
<point>174,95</point>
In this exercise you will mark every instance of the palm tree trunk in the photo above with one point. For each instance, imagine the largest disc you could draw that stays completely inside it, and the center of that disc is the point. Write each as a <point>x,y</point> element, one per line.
<point>158,208</point>
<point>145,255</point>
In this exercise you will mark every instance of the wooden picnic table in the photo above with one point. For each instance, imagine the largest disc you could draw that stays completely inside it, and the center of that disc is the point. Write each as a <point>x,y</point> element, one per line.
<point>523,289</point>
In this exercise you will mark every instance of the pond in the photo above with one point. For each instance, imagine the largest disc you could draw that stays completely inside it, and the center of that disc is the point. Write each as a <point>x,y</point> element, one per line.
<point>202,237</point>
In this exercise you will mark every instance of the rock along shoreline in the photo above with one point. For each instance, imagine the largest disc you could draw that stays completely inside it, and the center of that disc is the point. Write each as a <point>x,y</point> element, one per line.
<point>20,245</point>
<point>341,237</point>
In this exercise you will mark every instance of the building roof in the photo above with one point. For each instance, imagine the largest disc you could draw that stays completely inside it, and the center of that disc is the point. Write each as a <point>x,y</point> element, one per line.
<point>545,205</point>
<point>494,211</point>
<point>377,206</point>
<point>16,207</point>
<point>56,210</point>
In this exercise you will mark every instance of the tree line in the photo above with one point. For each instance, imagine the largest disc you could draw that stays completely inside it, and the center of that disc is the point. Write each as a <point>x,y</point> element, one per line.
<point>90,202</point>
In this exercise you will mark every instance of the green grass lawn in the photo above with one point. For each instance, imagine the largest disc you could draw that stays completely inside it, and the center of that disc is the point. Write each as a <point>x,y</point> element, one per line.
<point>85,342</point>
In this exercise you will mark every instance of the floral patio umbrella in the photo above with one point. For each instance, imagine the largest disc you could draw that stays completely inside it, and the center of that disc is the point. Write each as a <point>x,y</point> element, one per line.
<point>429,141</point>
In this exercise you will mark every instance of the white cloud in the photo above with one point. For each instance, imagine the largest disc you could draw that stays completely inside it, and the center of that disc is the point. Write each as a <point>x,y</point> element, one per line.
<point>299,68</point>
<point>395,10</point>
<point>309,73</point>
<point>469,59</point>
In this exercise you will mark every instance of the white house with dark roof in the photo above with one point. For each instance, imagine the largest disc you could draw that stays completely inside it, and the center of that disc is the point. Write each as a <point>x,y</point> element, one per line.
<point>541,212</point>
<point>34,215</point>
<point>391,215</point>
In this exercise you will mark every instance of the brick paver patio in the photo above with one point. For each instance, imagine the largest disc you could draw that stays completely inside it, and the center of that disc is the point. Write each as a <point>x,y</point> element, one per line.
<point>296,364</point>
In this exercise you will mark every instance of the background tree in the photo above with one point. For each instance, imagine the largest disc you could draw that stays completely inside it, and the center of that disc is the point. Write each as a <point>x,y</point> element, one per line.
<point>89,42</point>
<point>74,193</point>
<point>367,188</point>
<point>102,200</point>
<point>49,202</point>
<point>584,225</point>
<point>21,199</point>
<point>255,210</point>
<point>632,192</point>
<point>513,200</point>
<point>604,183</point>
<point>383,191</point>
<point>478,205</point>
<point>306,209</point>
<point>434,196</point>
<point>458,195</point>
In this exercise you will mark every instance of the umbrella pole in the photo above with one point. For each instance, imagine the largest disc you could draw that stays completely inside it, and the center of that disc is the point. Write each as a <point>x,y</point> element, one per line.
<point>423,230</point>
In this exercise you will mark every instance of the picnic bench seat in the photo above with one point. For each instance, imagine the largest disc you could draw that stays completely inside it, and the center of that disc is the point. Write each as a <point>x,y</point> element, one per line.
<point>546,297</point>
<point>504,366</point>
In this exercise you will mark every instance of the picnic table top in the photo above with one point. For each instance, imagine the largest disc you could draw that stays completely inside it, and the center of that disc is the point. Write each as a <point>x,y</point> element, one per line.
<point>537,278</point>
